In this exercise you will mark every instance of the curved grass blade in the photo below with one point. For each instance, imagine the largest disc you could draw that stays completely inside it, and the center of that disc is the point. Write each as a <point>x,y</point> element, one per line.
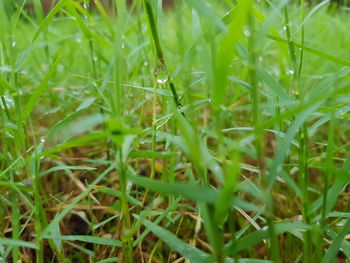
<point>200,194</point>
<point>190,252</point>
<point>39,90</point>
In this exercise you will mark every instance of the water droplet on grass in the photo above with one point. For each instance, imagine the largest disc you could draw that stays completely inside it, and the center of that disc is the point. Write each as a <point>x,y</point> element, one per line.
<point>162,80</point>
<point>290,72</point>
<point>162,77</point>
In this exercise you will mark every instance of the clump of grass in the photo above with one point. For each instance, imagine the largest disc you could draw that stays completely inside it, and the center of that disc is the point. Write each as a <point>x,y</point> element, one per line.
<point>216,131</point>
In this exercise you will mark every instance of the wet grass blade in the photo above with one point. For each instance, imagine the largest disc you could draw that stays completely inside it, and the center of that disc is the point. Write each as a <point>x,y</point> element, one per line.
<point>39,90</point>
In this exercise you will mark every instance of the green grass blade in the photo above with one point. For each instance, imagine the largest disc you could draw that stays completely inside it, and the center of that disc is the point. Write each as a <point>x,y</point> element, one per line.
<point>321,54</point>
<point>256,237</point>
<point>48,19</point>
<point>332,251</point>
<point>18,243</point>
<point>69,207</point>
<point>191,253</point>
<point>39,90</point>
<point>87,239</point>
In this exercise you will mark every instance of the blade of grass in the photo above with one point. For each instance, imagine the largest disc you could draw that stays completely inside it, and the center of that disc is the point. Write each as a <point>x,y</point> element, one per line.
<point>332,251</point>
<point>188,251</point>
<point>39,90</point>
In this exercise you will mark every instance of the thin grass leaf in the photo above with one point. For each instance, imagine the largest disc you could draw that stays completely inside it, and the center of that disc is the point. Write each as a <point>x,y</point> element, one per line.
<point>192,192</point>
<point>39,90</point>
<point>4,86</point>
<point>196,193</point>
<point>17,243</point>
<point>332,251</point>
<point>321,54</point>
<point>65,121</point>
<point>190,252</point>
<point>226,50</point>
<point>341,181</point>
<point>108,260</point>
<point>58,217</point>
<point>48,19</point>
<point>286,142</point>
<point>273,85</point>
<point>87,239</point>
<point>117,193</point>
<point>66,167</point>
<point>235,246</point>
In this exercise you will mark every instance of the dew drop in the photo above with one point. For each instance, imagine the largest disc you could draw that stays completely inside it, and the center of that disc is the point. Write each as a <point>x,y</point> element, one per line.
<point>290,72</point>
<point>246,32</point>
<point>162,80</point>
<point>199,48</point>
<point>162,77</point>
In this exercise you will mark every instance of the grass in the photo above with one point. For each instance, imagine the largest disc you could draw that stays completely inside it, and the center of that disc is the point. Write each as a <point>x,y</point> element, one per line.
<point>213,131</point>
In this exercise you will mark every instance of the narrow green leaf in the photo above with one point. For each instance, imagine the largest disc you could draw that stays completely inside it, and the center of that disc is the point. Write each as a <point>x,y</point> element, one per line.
<point>4,86</point>
<point>188,251</point>
<point>49,229</point>
<point>17,243</point>
<point>39,90</point>
<point>332,251</point>
<point>66,167</point>
<point>321,54</point>
<point>88,239</point>
<point>235,246</point>
<point>273,85</point>
<point>192,192</point>
<point>44,24</point>
<point>286,142</point>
